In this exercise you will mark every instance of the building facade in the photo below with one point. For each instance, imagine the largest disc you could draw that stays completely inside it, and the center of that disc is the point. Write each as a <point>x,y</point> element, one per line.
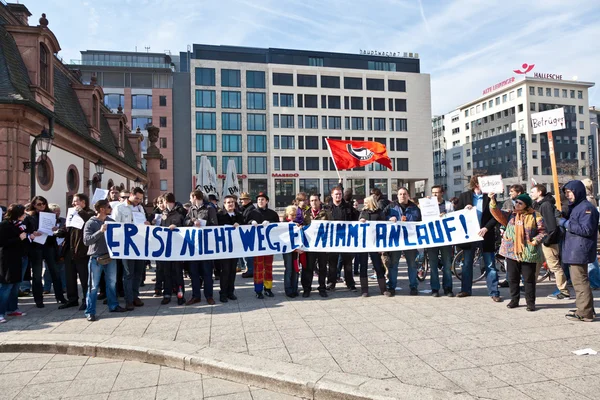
<point>141,85</point>
<point>493,135</point>
<point>41,98</point>
<point>270,110</point>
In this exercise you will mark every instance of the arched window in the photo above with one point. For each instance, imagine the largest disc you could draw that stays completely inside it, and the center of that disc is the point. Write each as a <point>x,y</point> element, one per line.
<point>95,111</point>
<point>44,68</point>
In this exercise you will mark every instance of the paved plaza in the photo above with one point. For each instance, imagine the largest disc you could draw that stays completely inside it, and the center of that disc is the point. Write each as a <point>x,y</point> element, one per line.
<point>342,347</point>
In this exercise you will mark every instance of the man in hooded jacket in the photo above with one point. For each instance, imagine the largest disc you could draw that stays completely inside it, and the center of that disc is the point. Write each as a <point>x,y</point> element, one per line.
<point>580,223</point>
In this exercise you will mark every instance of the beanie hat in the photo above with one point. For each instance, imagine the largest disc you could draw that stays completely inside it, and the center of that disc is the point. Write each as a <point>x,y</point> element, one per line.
<point>524,197</point>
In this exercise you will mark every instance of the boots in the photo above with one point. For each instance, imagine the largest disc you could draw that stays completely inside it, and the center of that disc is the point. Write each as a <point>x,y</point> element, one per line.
<point>383,286</point>
<point>364,287</point>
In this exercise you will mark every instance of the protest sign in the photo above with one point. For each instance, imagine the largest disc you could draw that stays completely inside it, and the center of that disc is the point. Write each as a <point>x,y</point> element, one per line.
<point>138,217</point>
<point>99,194</point>
<point>73,219</point>
<point>40,239</point>
<point>129,241</point>
<point>47,222</point>
<point>429,208</point>
<point>491,184</point>
<point>550,120</point>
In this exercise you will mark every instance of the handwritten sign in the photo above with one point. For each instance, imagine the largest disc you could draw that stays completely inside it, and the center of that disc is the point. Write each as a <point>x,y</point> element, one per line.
<point>429,208</point>
<point>546,121</point>
<point>138,217</point>
<point>47,222</point>
<point>491,184</point>
<point>73,219</point>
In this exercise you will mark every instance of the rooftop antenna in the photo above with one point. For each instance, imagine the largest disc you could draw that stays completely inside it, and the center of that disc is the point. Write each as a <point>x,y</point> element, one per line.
<point>147,48</point>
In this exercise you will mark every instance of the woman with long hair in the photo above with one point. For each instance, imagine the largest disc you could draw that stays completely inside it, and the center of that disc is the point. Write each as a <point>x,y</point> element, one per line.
<point>371,212</point>
<point>12,250</point>
<point>525,230</point>
<point>43,252</point>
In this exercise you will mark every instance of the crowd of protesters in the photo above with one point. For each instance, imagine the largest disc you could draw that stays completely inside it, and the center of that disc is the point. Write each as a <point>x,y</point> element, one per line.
<point>533,232</point>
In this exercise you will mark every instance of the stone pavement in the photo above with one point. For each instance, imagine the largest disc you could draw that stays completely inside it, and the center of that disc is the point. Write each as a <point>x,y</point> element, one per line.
<point>48,376</point>
<point>376,347</point>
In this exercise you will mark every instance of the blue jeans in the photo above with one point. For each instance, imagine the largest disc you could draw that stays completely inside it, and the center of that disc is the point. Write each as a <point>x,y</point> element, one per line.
<point>490,268</point>
<point>9,297</point>
<point>411,261</point>
<point>132,277</point>
<point>48,277</point>
<point>594,274</point>
<point>290,276</point>
<point>433,254</point>
<point>249,261</point>
<point>202,269</point>
<point>110,276</point>
<point>25,285</point>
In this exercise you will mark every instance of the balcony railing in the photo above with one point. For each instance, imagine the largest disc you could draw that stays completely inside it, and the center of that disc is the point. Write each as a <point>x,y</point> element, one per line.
<point>120,64</point>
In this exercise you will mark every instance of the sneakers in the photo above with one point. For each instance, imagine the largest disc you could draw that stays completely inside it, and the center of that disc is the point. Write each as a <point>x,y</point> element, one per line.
<point>2,320</point>
<point>165,300</point>
<point>16,313</point>
<point>577,318</point>
<point>435,293</point>
<point>91,317</point>
<point>269,293</point>
<point>323,293</point>
<point>118,309</point>
<point>259,295</point>
<point>414,291</point>
<point>559,296</point>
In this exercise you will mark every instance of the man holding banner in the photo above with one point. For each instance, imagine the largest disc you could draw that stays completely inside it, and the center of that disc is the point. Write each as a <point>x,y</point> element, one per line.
<point>228,216</point>
<point>316,212</point>
<point>475,198</point>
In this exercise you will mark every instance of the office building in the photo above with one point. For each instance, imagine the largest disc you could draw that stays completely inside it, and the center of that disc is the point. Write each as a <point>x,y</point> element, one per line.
<point>270,110</point>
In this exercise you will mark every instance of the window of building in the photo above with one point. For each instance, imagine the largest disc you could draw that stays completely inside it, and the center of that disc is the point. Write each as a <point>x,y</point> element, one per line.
<point>256,122</point>
<point>347,123</point>
<point>256,101</point>
<point>206,142</point>
<point>353,83</point>
<point>44,68</point>
<point>315,61</point>
<point>580,94</point>
<point>580,109</point>
<point>335,123</point>
<point>399,104</point>
<point>381,66</point>
<point>205,98</point>
<point>162,101</point>
<point>358,123</point>
<point>300,98</point>
<point>277,163</point>
<point>231,121</point>
<point>379,124</point>
<point>375,84</point>
<point>275,99</point>
<point>356,103</point>
<point>140,122</point>
<point>498,101</point>
<point>401,125</point>
<point>287,143</point>
<point>556,92</point>
<point>231,143</point>
<point>581,125</point>
<point>231,99</point>
<point>257,144</point>
<point>257,165</point>
<point>306,80</point>
<point>255,79</point>
<point>572,94</point>
<point>549,92</point>
<point>163,163</point>
<point>401,164</point>
<point>378,104</point>
<point>238,164</point>
<point>332,82</point>
<point>311,101</point>
<point>164,185</point>
<point>300,121</point>
<point>205,76</point>
<point>540,91</point>
<point>395,85</point>
<point>288,163</point>
<point>520,107</point>
<point>114,100</point>
<point>369,124</point>
<point>519,92</point>
<point>504,98</point>
<point>532,107</point>
<point>311,122</point>
<point>230,78</point>
<point>286,100</point>
<point>334,102</point>
<point>212,159</point>
<point>163,143</point>
<point>275,120</point>
<point>287,121</point>
<point>564,93</point>
<point>163,122</point>
<point>141,102</point>
<point>312,163</point>
<point>280,79</point>
<point>531,90</point>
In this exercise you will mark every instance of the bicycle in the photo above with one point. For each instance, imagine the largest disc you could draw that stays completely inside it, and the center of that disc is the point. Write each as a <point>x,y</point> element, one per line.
<point>459,259</point>
<point>545,273</point>
<point>423,266</point>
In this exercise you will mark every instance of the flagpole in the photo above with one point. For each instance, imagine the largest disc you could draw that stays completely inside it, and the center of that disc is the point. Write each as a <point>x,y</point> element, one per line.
<point>334,163</point>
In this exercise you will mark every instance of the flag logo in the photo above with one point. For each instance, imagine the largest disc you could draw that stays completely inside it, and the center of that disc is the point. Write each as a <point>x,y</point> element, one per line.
<point>362,153</point>
<point>348,154</point>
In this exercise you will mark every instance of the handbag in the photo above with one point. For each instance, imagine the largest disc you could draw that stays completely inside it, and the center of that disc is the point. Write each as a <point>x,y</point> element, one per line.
<point>104,259</point>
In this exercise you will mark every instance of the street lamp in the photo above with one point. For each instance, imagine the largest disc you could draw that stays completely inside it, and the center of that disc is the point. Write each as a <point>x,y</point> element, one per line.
<point>597,160</point>
<point>99,171</point>
<point>43,144</point>
<point>137,181</point>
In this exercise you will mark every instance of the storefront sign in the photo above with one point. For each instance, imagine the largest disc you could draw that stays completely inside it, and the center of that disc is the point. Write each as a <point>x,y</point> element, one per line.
<point>223,176</point>
<point>285,175</point>
<point>556,77</point>
<point>591,155</point>
<point>523,157</point>
<point>499,85</point>
<point>379,53</point>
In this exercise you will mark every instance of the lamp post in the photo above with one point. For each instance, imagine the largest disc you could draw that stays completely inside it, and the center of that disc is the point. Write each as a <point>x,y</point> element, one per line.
<point>99,171</point>
<point>597,160</point>
<point>43,144</point>
<point>137,181</point>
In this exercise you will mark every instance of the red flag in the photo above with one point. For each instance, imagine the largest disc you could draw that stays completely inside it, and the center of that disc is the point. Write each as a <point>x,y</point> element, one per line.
<point>348,154</point>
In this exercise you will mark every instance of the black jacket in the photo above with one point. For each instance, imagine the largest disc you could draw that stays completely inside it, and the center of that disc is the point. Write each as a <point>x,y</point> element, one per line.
<point>246,210</point>
<point>487,221</point>
<point>263,214</point>
<point>343,212</point>
<point>548,211</point>
<point>205,211</point>
<point>369,215</point>
<point>12,250</point>
<point>224,218</point>
<point>175,216</point>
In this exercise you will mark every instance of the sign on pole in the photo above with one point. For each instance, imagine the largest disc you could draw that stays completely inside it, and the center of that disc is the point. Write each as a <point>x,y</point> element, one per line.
<point>491,184</point>
<point>548,121</point>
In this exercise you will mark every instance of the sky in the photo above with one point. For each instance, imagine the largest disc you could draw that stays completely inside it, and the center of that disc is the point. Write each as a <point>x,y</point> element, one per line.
<point>465,45</point>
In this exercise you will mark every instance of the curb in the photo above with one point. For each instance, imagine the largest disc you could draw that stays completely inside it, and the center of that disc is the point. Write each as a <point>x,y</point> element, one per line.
<point>281,377</point>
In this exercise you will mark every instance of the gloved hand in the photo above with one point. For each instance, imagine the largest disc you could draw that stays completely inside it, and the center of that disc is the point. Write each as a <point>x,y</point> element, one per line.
<point>563,222</point>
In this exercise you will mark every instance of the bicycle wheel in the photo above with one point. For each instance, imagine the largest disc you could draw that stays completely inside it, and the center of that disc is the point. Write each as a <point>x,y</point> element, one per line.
<point>457,264</point>
<point>422,267</point>
<point>544,273</point>
<point>479,271</point>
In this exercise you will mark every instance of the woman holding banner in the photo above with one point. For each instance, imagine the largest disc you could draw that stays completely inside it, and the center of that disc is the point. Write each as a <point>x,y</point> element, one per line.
<point>525,230</point>
<point>371,212</point>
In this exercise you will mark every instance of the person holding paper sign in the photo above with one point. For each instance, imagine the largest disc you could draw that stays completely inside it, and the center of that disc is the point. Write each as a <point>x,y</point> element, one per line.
<point>43,252</point>
<point>403,210</point>
<point>445,252</point>
<point>521,246</point>
<point>474,198</point>
<point>132,269</point>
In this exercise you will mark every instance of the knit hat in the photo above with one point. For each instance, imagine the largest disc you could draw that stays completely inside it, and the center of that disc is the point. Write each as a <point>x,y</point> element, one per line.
<point>524,197</point>
<point>262,194</point>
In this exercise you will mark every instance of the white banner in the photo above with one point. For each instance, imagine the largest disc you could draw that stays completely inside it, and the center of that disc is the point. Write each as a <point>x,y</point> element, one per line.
<point>131,241</point>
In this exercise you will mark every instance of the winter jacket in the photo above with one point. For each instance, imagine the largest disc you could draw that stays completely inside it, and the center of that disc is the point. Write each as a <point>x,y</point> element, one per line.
<point>94,238</point>
<point>205,211</point>
<point>547,209</point>
<point>343,212</point>
<point>223,218</point>
<point>581,228</point>
<point>412,212</point>
<point>371,215</point>
<point>176,216</point>
<point>75,241</point>
<point>534,229</point>
<point>246,210</point>
<point>487,221</point>
<point>12,250</point>
<point>263,214</point>
<point>323,215</point>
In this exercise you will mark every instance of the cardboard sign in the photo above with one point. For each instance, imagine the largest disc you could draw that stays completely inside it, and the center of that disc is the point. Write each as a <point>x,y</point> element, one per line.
<point>546,121</point>
<point>491,184</point>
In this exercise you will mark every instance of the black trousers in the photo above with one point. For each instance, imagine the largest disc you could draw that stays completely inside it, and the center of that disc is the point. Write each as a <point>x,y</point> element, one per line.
<point>515,269</point>
<point>37,255</point>
<point>73,269</point>
<point>332,260</point>
<point>173,275</point>
<point>227,276</point>
<point>314,260</point>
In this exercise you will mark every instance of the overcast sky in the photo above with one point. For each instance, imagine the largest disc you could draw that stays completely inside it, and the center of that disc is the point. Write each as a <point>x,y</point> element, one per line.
<point>465,45</point>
